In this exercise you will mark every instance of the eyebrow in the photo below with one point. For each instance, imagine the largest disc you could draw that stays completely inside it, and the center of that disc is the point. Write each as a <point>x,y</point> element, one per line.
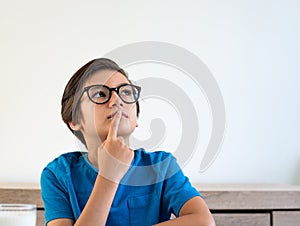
<point>107,85</point>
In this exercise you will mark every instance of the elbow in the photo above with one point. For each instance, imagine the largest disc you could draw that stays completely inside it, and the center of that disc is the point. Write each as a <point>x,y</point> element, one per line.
<point>207,220</point>
<point>211,222</point>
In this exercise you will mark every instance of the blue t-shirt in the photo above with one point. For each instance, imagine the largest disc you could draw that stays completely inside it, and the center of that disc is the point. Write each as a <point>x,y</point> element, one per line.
<point>153,188</point>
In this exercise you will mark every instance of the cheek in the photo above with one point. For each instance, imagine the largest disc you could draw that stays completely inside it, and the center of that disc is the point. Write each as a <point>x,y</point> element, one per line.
<point>99,113</point>
<point>127,126</point>
<point>94,116</point>
<point>133,121</point>
<point>133,113</point>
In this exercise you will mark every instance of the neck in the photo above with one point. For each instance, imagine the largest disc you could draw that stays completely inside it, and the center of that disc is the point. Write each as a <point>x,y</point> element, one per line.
<point>93,150</point>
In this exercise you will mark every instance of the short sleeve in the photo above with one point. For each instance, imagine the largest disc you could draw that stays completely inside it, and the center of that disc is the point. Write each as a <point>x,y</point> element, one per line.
<point>177,189</point>
<point>56,199</point>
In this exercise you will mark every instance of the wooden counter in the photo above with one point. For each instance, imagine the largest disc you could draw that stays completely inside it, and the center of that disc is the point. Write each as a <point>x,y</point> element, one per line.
<point>253,204</point>
<point>235,204</point>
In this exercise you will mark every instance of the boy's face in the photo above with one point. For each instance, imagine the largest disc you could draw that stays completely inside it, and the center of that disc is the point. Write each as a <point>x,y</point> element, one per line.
<point>96,118</point>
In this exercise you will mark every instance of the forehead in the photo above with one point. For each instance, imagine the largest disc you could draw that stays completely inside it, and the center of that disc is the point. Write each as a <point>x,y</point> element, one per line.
<point>106,77</point>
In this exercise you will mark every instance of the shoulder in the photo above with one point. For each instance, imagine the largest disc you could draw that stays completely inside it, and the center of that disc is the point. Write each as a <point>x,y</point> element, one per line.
<point>63,163</point>
<point>143,157</point>
<point>160,162</point>
<point>66,159</point>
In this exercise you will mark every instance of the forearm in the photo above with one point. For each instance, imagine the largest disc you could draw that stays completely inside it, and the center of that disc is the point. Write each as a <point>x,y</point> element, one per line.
<point>193,213</point>
<point>97,208</point>
<point>190,220</point>
<point>113,158</point>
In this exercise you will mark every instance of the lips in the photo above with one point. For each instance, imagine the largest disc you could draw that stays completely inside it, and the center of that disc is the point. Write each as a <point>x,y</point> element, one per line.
<point>113,114</point>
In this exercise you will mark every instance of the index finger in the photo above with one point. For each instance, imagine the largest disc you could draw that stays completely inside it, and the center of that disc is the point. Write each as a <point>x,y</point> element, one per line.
<point>114,126</point>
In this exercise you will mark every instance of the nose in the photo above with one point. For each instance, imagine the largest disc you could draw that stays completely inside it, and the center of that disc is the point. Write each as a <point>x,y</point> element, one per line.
<point>115,100</point>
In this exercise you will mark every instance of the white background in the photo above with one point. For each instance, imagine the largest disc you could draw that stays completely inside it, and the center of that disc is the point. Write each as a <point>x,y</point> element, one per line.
<point>251,47</point>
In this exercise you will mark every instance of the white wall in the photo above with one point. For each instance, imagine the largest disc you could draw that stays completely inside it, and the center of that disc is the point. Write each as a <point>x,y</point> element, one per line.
<point>251,47</point>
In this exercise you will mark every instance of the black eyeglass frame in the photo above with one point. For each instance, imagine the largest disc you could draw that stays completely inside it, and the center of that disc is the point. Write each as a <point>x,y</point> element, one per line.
<point>116,89</point>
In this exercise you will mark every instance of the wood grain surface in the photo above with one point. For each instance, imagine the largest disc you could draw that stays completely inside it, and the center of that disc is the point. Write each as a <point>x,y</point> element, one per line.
<point>232,205</point>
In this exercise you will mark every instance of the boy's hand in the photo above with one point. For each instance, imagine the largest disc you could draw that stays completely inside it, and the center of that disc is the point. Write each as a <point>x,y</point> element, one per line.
<point>114,156</point>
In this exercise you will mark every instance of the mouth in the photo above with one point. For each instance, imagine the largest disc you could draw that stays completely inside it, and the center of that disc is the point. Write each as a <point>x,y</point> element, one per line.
<point>113,114</point>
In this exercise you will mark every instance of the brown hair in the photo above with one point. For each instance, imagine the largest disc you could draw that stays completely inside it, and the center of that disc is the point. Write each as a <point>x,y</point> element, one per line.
<point>72,92</point>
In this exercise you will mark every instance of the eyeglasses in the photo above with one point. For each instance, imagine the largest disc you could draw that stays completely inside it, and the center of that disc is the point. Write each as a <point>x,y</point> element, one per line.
<point>101,94</point>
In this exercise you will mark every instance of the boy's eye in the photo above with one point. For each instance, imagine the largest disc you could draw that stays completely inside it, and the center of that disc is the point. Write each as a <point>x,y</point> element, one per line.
<point>126,92</point>
<point>100,94</point>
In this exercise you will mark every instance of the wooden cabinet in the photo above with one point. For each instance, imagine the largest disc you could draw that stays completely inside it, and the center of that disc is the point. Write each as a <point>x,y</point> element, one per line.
<point>286,218</point>
<point>249,219</point>
<point>231,205</point>
<point>24,193</point>
<point>40,218</point>
<point>250,204</point>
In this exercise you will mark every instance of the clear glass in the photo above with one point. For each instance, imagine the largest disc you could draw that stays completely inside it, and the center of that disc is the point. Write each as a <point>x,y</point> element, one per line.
<point>17,215</point>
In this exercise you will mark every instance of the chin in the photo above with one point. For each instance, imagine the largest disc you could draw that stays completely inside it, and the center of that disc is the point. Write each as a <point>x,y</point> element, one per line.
<point>125,131</point>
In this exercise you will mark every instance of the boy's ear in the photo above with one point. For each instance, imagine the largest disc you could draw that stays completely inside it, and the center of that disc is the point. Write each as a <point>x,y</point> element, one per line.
<point>75,127</point>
